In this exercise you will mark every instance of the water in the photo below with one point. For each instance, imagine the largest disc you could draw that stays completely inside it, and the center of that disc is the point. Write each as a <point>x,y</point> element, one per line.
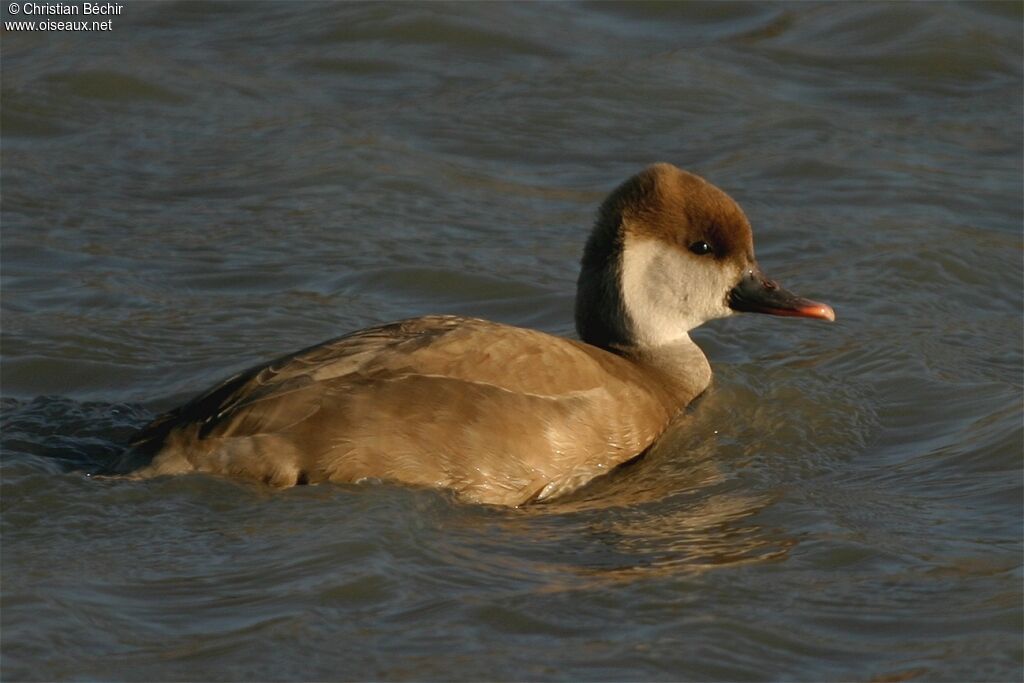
<point>209,185</point>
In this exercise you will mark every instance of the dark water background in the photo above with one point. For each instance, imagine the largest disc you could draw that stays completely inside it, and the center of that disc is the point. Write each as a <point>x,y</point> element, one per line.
<point>212,184</point>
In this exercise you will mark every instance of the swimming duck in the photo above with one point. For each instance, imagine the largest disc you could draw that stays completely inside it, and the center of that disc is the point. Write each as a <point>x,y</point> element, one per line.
<point>499,414</point>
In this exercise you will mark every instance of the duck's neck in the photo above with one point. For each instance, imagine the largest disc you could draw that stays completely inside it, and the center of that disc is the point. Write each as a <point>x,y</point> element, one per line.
<point>675,363</point>
<point>680,366</point>
<point>603,319</point>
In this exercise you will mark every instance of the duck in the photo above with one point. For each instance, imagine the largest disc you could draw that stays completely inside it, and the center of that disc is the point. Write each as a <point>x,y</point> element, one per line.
<point>494,413</point>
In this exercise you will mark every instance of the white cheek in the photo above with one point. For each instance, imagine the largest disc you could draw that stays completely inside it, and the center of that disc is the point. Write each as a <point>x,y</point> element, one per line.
<point>667,292</point>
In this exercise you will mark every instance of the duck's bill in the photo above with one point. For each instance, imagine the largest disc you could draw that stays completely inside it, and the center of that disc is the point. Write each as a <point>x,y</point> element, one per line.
<point>757,294</point>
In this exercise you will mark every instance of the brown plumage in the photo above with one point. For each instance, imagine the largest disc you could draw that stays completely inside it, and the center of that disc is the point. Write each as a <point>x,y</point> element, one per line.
<point>496,413</point>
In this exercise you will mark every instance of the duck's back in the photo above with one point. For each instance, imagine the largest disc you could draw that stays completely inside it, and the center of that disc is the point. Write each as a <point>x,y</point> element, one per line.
<point>500,414</point>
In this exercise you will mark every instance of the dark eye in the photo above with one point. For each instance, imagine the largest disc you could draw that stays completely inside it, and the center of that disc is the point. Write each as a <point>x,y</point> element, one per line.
<point>700,248</point>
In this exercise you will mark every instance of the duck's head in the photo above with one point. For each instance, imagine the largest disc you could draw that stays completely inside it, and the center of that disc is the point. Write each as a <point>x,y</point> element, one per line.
<point>670,251</point>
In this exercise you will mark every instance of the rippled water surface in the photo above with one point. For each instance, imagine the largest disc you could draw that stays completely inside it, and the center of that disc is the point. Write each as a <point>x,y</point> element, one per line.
<point>209,185</point>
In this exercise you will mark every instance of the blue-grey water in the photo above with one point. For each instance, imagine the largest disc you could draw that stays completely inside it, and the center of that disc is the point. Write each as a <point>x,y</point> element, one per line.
<point>208,185</point>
